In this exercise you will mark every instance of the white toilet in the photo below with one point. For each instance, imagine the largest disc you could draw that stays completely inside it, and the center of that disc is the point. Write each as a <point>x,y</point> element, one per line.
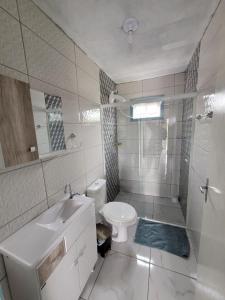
<point>120,215</point>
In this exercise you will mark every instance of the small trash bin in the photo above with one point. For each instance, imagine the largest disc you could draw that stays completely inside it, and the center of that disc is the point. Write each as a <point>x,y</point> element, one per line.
<point>104,238</point>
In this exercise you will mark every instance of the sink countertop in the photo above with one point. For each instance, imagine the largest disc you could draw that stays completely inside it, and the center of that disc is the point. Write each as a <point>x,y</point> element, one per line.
<point>30,244</point>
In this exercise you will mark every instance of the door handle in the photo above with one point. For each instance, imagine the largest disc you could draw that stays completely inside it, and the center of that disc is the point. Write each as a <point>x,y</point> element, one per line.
<point>204,189</point>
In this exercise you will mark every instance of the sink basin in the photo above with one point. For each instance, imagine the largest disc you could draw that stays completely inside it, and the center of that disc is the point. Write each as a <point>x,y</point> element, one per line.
<point>60,213</point>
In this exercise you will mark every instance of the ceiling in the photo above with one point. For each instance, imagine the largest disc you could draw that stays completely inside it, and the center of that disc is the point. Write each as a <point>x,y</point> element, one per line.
<point>169,31</point>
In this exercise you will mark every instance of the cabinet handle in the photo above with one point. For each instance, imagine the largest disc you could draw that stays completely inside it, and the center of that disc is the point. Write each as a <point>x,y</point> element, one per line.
<point>204,189</point>
<point>32,149</point>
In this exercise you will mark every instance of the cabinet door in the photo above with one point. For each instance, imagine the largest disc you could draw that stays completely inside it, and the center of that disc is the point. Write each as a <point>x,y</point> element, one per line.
<point>87,252</point>
<point>17,131</point>
<point>63,284</point>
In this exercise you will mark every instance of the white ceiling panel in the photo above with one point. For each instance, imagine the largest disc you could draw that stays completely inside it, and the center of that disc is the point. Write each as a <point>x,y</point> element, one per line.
<point>169,31</point>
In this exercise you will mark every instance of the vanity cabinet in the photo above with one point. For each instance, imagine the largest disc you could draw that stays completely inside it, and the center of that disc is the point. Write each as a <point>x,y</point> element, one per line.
<point>70,277</point>
<point>52,263</point>
<point>18,142</point>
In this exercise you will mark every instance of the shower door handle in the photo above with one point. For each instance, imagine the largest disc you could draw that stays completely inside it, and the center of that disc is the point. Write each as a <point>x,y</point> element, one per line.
<point>205,188</point>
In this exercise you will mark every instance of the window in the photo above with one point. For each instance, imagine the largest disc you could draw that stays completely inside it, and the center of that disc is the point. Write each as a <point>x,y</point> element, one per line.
<point>150,110</point>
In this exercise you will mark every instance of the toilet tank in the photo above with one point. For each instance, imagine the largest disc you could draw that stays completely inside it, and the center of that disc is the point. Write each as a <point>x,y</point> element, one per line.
<point>97,191</point>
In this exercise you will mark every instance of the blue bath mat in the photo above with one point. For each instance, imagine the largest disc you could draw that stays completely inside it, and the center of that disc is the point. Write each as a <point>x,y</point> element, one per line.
<point>169,238</point>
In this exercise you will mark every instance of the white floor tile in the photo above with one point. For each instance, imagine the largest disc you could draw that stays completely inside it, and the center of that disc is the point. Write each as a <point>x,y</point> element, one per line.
<point>132,249</point>
<point>168,214</point>
<point>121,278</point>
<point>186,266</point>
<point>91,281</point>
<point>139,197</point>
<point>167,285</point>
<point>143,209</point>
<point>166,201</point>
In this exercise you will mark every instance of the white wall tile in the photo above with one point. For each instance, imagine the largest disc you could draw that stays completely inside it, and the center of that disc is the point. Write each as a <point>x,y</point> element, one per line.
<point>88,87</point>
<point>158,83</point>
<point>132,160</point>
<point>129,131</point>
<point>94,174</point>
<point>130,186</point>
<point>74,143</point>
<point>128,146</point>
<point>38,22</point>
<point>93,157</point>
<point>78,186</point>
<point>70,109</point>
<point>46,64</point>
<point>147,175</point>
<point>179,89</point>
<point>89,111</point>
<point>11,46</point>
<point>85,63</point>
<point>130,88</point>
<point>13,73</point>
<point>179,79</point>
<point>10,6</point>
<point>63,170</point>
<point>165,91</point>
<point>155,189</point>
<point>20,191</point>
<point>92,135</point>
<point>21,220</point>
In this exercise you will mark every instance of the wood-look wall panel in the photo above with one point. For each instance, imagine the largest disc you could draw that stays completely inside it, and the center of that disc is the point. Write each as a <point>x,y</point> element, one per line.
<point>17,131</point>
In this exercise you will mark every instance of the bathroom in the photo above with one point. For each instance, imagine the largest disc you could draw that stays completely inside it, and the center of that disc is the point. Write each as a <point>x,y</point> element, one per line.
<point>117,103</point>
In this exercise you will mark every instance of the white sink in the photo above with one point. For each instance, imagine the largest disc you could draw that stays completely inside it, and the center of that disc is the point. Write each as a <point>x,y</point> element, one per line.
<point>64,220</point>
<point>60,213</point>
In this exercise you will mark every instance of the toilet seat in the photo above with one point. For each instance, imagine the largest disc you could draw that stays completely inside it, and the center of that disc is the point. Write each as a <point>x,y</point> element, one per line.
<point>120,215</point>
<point>119,212</point>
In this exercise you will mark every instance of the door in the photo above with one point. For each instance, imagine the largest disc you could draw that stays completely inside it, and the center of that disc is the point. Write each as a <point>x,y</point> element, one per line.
<point>18,142</point>
<point>211,260</point>
<point>64,281</point>
<point>87,253</point>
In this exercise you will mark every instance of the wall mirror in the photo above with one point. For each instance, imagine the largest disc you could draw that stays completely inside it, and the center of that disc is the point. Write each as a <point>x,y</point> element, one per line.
<point>31,125</point>
<point>48,122</point>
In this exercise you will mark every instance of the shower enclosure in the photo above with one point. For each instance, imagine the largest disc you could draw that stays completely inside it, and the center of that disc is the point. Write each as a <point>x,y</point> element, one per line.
<point>149,147</point>
<point>151,137</point>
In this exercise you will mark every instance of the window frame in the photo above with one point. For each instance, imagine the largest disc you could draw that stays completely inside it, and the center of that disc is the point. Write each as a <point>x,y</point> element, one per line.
<point>150,99</point>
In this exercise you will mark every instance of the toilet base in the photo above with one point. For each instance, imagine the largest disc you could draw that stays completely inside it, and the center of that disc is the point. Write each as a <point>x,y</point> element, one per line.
<point>119,234</point>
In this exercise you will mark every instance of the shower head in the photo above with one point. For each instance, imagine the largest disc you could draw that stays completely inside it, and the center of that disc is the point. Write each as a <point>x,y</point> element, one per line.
<point>115,98</point>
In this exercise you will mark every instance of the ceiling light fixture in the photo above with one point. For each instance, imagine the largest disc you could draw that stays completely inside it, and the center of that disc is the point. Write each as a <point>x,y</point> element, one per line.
<point>130,25</point>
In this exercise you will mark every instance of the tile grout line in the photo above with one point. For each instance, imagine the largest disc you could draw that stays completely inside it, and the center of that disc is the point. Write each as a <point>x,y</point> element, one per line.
<point>21,31</point>
<point>149,275</point>
<point>96,279</point>
<point>14,219</point>
<point>51,46</point>
<point>45,185</point>
<point>153,264</point>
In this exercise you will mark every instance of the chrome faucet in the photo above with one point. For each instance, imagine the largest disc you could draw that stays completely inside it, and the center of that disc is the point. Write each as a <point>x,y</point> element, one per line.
<point>68,187</point>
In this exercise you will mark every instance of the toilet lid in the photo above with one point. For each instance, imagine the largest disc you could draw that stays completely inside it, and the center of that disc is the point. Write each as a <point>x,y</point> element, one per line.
<point>119,211</point>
